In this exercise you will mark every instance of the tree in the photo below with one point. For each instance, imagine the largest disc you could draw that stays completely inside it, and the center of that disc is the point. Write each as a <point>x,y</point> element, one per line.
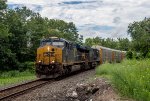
<point>88,42</point>
<point>16,20</point>
<point>7,57</point>
<point>120,43</point>
<point>123,44</point>
<point>66,30</point>
<point>3,6</point>
<point>140,33</point>
<point>21,31</point>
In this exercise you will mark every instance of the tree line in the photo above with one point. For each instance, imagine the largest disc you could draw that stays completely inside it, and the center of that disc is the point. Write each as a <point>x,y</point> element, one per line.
<point>119,44</point>
<point>139,45</point>
<point>21,30</point>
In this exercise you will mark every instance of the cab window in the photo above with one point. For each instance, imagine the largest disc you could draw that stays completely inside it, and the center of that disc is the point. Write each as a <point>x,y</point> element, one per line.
<point>58,43</point>
<point>45,42</point>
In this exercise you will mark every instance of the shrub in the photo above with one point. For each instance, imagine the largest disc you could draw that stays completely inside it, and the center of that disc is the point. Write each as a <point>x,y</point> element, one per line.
<point>15,73</point>
<point>29,66</point>
<point>129,55</point>
<point>131,77</point>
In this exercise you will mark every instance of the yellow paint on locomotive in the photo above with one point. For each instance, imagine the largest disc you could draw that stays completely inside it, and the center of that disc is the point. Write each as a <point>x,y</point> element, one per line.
<point>101,55</point>
<point>83,57</point>
<point>49,54</point>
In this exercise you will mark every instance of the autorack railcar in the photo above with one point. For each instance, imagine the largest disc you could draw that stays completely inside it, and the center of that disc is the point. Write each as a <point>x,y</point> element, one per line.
<point>109,55</point>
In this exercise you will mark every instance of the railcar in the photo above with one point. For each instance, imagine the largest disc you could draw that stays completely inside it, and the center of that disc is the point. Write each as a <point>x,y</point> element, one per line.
<point>109,55</point>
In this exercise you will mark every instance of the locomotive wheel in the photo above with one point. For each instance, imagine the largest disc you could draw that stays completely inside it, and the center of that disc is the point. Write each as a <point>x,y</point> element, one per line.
<point>87,66</point>
<point>67,69</point>
<point>83,66</point>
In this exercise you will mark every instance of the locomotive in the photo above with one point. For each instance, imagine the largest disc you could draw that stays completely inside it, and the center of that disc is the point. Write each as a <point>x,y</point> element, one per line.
<point>57,57</point>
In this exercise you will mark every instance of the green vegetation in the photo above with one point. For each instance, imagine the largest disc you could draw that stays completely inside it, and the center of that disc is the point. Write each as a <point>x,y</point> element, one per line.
<point>140,33</point>
<point>139,43</point>
<point>131,77</point>
<point>27,72</point>
<point>21,30</point>
<point>13,77</point>
<point>120,43</point>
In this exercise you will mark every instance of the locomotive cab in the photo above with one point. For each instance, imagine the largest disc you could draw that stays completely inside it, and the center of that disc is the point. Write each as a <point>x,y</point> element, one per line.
<point>49,57</point>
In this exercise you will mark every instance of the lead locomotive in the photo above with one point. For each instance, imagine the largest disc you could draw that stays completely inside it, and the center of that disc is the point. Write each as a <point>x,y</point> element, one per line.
<point>57,57</point>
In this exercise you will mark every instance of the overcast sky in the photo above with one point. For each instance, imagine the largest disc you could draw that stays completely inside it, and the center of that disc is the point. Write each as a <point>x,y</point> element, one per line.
<point>103,18</point>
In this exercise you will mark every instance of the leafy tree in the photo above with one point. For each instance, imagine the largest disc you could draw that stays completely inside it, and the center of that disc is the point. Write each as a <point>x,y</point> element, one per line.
<point>123,44</point>
<point>140,33</point>
<point>88,42</point>
<point>3,6</point>
<point>66,30</point>
<point>16,21</point>
<point>7,60</point>
<point>129,55</point>
<point>21,31</point>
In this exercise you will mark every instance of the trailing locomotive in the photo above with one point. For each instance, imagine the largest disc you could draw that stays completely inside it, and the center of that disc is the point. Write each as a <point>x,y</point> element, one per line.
<point>57,56</point>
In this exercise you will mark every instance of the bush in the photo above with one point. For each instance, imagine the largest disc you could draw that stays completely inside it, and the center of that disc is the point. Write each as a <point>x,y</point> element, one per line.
<point>148,55</point>
<point>129,55</point>
<point>30,66</point>
<point>131,77</point>
<point>15,73</point>
<point>27,66</point>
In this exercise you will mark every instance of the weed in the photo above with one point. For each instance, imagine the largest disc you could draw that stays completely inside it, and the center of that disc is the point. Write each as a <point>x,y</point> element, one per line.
<point>131,77</point>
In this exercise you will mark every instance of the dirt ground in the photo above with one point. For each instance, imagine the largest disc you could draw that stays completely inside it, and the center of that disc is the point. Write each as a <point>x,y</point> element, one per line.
<point>80,87</point>
<point>97,90</point>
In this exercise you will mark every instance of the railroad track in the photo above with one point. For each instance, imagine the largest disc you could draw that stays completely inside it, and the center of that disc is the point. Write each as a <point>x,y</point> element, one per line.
<point>21,89</point>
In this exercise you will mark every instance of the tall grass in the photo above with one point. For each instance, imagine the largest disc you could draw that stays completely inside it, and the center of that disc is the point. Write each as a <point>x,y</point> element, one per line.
<point>131,77</point>
<point>12,77</point>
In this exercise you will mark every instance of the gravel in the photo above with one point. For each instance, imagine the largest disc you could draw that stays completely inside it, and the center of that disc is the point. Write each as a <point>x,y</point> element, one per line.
<point>57,90</point>
<point>84,86</point>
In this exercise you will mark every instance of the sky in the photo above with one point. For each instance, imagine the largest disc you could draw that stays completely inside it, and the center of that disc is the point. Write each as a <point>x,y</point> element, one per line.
<point>102,18</point>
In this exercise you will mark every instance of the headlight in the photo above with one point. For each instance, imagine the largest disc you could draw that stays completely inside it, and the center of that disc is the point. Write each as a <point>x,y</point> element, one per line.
<point>48,49</point>
<point>53,61</point>
<point>39,61</point>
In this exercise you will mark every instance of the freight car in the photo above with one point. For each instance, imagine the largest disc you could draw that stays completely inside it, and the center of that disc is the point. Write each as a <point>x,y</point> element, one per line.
<point>110,55</point>
<point>57,57</point>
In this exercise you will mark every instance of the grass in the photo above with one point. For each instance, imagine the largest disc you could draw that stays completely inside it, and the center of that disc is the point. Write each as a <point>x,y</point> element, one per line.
<point>131,77</point>
<point>13,77</point>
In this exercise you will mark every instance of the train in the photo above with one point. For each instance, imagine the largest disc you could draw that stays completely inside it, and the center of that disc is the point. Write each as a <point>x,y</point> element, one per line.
<point>57,57</point>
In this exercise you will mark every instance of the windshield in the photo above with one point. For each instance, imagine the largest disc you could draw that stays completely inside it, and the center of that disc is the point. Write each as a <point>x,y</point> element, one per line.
<point>58,43</point>
<point>46,42</point>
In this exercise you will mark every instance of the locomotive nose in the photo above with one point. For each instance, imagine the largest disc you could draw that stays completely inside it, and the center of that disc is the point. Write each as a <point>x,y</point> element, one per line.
<point>49,55</point>
<point>46,55</point>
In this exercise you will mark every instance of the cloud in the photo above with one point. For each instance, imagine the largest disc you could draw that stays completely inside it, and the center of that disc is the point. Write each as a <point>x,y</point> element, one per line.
<point>117,20</point>
<point>103,18</point>
<point>77,2</point>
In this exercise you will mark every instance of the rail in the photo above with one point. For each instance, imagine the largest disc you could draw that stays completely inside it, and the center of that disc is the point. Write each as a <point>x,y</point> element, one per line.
<point>21,89</point>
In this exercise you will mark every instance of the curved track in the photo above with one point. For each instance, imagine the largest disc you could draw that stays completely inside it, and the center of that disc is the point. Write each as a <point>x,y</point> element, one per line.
<point>11,92</point>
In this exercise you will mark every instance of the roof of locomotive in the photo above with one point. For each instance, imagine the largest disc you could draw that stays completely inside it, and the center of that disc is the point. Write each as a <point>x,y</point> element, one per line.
<point>56,38</point>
